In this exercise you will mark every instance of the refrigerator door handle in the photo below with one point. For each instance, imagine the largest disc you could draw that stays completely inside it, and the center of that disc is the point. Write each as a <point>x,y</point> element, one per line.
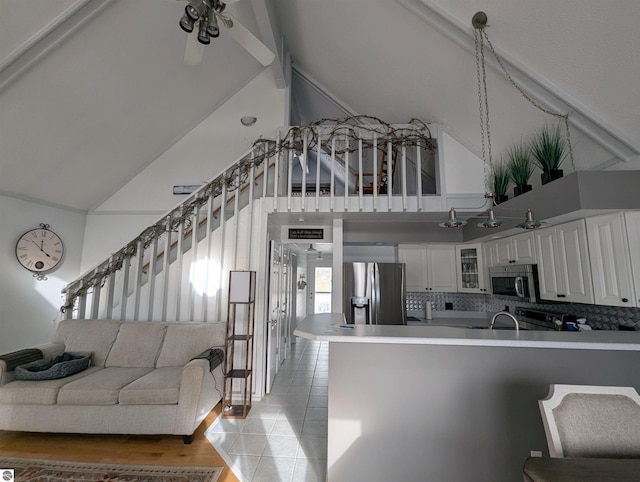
<point>375,299</point>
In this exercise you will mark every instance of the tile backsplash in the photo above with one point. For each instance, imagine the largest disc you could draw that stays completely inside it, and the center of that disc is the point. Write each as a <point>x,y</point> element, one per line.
<point>598,317</point>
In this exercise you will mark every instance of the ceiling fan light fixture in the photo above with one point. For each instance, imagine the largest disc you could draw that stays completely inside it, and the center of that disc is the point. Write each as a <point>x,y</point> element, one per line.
<point>203,36</point>
<point>530,222</point>
<point>186,23</point>
<point>491,221</point>
<point>212,25</point>
<point>195,9</point>
<point>452,221</point>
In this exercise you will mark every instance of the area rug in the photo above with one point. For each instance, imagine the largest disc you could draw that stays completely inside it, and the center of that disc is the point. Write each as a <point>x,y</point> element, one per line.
<point>36,470</point>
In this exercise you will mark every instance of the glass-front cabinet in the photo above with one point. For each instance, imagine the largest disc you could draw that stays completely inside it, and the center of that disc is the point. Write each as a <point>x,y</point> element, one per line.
<point>470,268</point>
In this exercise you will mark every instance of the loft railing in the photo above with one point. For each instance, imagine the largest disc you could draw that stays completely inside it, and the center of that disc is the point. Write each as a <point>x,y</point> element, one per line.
<point>175,269</point>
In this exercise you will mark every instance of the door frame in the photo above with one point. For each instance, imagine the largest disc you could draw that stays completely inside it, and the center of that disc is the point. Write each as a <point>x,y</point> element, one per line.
<point>311,280</point>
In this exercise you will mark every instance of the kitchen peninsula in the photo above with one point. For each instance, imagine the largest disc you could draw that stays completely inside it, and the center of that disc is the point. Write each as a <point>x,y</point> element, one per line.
<point>441,403</point>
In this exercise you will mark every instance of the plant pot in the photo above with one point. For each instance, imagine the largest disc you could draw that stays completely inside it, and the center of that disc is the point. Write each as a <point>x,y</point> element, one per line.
<point>551,175</point>
<point>500,198</point>
<point>521,189</point>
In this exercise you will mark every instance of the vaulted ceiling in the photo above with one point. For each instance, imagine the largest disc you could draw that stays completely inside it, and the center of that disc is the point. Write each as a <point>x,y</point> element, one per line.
<point>93,91</point>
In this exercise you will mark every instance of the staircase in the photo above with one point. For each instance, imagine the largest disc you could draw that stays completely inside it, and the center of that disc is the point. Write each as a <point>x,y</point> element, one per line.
<point>177,268</point>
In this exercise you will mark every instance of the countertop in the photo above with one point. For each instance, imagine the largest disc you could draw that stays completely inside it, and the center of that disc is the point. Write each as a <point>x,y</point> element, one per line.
<point>441,331</point>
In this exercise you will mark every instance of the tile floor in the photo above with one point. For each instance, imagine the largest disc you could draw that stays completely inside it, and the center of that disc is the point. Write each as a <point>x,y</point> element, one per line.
<point>284,437</point>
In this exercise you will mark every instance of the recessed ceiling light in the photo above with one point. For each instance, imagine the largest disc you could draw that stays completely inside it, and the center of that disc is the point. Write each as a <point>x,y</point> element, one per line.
<point>248,120</point>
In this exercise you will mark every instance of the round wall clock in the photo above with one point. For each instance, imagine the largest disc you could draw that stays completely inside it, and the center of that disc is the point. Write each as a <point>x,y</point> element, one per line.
<point>39,250</point>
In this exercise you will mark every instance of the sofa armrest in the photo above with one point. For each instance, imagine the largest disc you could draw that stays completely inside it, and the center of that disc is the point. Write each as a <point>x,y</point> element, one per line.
<point>9,361</point>
<point>215,356</point>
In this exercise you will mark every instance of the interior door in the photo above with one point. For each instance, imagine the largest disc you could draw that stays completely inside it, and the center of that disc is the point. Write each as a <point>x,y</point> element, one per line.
<point>273,315</point>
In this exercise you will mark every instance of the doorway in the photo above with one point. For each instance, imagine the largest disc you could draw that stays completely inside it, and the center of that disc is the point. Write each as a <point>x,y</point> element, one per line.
<point>279,310</point>
<point>320,279</point>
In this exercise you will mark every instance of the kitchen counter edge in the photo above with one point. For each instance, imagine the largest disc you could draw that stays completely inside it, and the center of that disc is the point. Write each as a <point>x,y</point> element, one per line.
<point>331,327</point>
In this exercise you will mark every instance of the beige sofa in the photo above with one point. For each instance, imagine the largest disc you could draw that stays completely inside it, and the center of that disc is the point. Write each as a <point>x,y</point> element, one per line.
<point>144,378</point>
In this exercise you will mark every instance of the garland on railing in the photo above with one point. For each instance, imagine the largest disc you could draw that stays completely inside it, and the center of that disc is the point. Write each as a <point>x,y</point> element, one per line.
<point>348,128</point>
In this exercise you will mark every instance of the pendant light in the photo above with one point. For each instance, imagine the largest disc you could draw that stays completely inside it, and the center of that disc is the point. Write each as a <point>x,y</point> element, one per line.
<point>452,221</point>
<point>491,221</point>
<point>530,222</point>
<point>311,249</point>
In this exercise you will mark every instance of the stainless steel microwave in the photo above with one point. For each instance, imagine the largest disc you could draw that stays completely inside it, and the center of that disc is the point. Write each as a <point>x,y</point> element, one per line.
<point>515,282</point>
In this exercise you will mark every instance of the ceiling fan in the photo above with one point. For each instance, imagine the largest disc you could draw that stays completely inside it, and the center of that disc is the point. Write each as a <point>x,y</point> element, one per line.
<point>200,21</point>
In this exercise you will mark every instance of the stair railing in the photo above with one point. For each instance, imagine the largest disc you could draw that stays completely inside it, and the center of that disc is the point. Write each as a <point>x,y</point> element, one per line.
<point>308,168</point>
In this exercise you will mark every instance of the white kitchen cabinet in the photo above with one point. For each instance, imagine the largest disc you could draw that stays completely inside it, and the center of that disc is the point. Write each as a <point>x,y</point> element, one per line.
<point>610,261</point>
<point>415,258</point>
<point>430,267</point>
<point>470,268</point>
<point>563,263</point>
<point>518,249</point>
<point>632,219</point>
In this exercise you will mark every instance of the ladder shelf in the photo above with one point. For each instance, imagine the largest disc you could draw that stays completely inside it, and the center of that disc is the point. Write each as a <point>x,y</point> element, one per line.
<point>239,337</point>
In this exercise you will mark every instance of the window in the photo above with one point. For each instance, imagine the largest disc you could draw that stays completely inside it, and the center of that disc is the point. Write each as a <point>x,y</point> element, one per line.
<point>322,280</point>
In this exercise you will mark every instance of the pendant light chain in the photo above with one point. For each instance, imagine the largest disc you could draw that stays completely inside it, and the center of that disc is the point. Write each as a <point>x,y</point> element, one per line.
<point>483,107</point>
<point>481,32</point>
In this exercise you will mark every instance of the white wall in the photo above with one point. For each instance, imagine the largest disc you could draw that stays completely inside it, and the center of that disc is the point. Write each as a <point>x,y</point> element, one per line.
<point>213,145</point>
<point>30,307</point>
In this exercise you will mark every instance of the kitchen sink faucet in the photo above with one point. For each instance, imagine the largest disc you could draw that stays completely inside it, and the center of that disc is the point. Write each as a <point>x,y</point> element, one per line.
<point>505,313</point>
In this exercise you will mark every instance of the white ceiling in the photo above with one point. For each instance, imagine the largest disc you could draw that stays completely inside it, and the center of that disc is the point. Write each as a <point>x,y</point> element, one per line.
<point>87,104</point>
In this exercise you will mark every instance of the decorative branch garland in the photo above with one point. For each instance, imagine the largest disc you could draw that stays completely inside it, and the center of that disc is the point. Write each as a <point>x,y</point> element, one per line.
<point>343,130</point>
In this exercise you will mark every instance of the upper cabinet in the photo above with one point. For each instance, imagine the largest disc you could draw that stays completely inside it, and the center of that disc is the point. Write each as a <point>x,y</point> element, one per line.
<point>415,258</point>
<point>430,267</point>
<point>610,260</point>
<point>518,249</point>
<point>470,268</point>
<point>563,263</point>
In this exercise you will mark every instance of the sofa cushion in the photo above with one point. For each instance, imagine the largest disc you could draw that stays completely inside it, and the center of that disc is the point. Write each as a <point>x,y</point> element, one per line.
<point>184,341</point>
<point>38,392</point>
<point>160,387</point>
<point>100,388</point>
<point>137,345</point>
<point>95,336</point>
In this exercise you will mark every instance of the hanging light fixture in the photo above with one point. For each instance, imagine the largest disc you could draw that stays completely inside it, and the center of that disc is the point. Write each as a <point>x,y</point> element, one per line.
<point>311,249</point>
<point>319,257</point>
<point>452,221</point>
<point>479,22</point>
<point>529,222</point>
<point>203,12</point>
<point>491,221</point>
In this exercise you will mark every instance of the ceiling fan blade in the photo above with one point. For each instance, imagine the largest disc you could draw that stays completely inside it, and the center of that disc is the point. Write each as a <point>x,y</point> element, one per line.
<point>194,50</point>
<point>250,42</point>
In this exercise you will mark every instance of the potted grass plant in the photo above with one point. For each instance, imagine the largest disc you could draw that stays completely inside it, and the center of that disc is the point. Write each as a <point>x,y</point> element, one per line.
<point>548,150</point>
<point>520,167</point>
<point>500,177</point>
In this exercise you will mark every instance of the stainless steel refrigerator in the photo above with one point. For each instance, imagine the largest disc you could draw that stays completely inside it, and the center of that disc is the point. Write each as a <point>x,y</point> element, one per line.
<point>375,293</point>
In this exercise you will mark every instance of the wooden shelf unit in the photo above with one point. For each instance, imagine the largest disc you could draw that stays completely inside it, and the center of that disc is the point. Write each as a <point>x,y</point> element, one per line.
<point>242,289</point>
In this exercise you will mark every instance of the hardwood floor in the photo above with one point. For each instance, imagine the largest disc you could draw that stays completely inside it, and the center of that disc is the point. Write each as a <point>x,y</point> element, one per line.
<point>128,449</point>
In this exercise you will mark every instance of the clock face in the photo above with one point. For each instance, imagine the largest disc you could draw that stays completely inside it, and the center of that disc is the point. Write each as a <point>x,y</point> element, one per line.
<point>39,250</point>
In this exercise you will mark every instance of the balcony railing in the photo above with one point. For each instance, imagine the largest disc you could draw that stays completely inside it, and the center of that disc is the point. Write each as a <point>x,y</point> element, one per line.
<point>355,164</point>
